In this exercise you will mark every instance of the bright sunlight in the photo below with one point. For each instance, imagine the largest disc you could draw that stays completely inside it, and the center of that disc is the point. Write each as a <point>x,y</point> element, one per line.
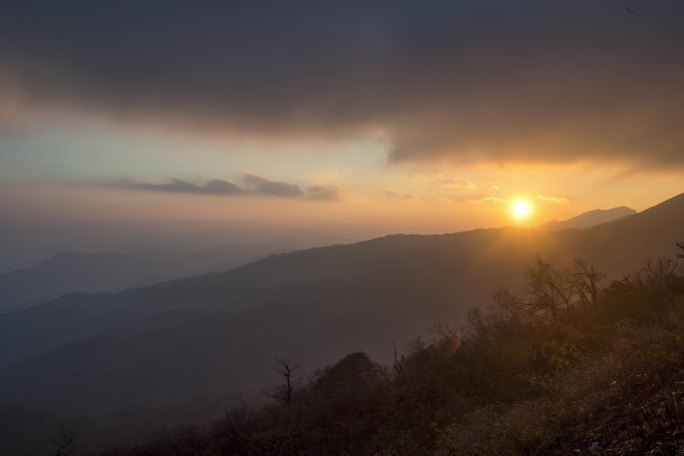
<point>521,209</point>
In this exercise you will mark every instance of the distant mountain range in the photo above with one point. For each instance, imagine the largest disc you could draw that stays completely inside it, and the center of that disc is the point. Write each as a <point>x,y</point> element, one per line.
<point>70,272</point>
<point>589,219</point>
<point>218,333</point>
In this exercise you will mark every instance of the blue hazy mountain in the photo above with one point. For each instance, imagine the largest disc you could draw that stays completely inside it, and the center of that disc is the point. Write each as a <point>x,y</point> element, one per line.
<point>69,272</point>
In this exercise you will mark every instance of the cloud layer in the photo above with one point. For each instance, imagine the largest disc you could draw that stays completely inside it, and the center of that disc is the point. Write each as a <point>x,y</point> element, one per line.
<point>531,81</point>
<point>251,185</point>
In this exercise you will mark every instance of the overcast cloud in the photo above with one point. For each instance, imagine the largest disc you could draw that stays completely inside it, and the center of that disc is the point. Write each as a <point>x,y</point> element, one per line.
<point>530,81</point>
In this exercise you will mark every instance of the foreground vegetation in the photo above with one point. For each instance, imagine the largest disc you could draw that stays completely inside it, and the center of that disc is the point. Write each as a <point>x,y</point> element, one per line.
<point>573,365</point>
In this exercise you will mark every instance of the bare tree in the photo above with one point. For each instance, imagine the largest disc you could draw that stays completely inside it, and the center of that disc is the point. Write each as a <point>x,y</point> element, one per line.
<point>549,288</point>
<point>478,324</point>
<point>446,337</point>
<point>681,246</point>
<point>284,393</point>
<point>587,281</point>
<point>512,307</point>
<point>656,279</point>
<point>398,363</point>
<point>237,425</point>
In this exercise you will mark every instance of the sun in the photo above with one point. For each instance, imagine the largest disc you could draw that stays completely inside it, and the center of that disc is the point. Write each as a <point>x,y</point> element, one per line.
<point>521,209</point>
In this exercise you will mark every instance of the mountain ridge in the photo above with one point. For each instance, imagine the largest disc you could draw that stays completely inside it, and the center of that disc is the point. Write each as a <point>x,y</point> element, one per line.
<point>68,272</point>
<point>220,332</point>
<point>589,218</point>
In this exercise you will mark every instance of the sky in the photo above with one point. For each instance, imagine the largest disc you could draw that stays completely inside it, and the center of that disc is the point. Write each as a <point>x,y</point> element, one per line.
<point>126,124</point>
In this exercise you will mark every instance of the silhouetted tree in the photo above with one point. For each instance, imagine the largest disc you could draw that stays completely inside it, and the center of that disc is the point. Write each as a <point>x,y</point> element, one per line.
<point>512,385</point>
<point>655,280</point>
<point>548,288</point>
<point>398,363</point>
<point>587,280</point>
<point>238,421</point>
<point>476,324</point>
<point>284,393</point>
<point>512,307</point>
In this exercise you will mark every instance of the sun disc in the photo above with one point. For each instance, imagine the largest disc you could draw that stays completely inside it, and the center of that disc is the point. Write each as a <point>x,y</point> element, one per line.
<point>521,209</point>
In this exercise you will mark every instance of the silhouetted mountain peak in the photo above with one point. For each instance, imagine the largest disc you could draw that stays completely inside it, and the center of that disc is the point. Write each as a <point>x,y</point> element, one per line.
<point>589,219</point>
<point>673,206</point>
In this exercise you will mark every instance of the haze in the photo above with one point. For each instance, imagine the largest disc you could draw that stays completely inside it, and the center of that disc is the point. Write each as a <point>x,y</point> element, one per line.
<point>312,228</point>
<point>154,125</point>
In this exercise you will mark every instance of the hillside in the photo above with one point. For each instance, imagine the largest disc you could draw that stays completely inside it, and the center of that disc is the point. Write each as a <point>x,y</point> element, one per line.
<point>536,373</point>
<point>589,219</point>
<point>219,333</point>
<point>69,272</point>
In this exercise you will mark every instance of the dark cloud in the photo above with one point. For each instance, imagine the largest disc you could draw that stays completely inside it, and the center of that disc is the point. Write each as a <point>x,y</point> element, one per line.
<point>251,185</point>
<point>261,186</point>
<point>544,81</point>
<point>212,187</point>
